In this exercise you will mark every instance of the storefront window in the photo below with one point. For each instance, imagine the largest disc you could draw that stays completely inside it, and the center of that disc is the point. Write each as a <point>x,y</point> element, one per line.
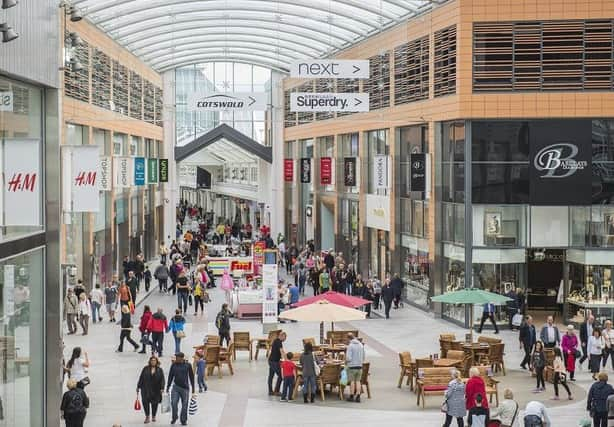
<point>349,229</point>
<point>499,225</point>
<point>21,133</point>
<point>22,309</point>
<point>377,144</point>
<point>454,280</point>
<point>591,288</point>
<point>415,272</point>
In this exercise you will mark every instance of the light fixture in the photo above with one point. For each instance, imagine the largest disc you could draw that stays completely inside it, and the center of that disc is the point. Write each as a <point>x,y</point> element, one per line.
<point>6,4</point>
<point>75,40</point>
<point>8,34</point>
<point>75,65</point>
<point>75,14</point>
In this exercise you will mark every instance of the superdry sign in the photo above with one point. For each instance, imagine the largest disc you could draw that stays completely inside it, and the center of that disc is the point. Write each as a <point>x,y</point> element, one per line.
<point>227,101</point>
<point>303,102</point>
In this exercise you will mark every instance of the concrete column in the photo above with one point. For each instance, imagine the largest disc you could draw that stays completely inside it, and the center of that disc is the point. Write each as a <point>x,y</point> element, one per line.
<point>277,141</point>
<point>170,191</point>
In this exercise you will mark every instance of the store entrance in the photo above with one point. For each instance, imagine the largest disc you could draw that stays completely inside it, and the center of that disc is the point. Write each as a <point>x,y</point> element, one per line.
<point>545,283</point>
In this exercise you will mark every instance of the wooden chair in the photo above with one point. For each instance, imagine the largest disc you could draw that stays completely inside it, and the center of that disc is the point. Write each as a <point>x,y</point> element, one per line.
<point>212,340</point>
<point>225,358</point>
<point>212,357</point>
<point>241,341</point>
<point>311,340</point>
<point>447,337</point>
<point>423,362</point>
<point>488,340</point>
<point>339,337</point>
<point>364,379</point>
<point>431,382</point>
<point>445,344</point>
<point>494,358</point>
<point>491,383</point>
<point>265,342</point>
<point>456,354</point>
<point>329,375</point>
<point>407,369</point>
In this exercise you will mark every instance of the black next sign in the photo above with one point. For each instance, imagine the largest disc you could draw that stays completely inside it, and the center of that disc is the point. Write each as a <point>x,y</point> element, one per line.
<point>418,172</point>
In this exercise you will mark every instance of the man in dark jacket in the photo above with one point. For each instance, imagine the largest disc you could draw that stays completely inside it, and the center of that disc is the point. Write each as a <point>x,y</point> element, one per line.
<point>222,322</point>
<point>527,338</point>
<point>133,284</point>
<point>139,268</point>
<point>388,296</point>
<point>597,400</point>
<point>181,377</point>
<point>161,274</point>
<point>329,260</point>
<point>127,266</point>
<point>397,287</point>
<point>586,330</point>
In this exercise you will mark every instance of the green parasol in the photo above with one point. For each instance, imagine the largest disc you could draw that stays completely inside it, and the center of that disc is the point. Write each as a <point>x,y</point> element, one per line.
<point>471,296</point>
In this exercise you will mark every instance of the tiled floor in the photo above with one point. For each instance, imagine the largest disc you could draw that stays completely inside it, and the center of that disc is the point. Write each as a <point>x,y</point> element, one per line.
<point>242,400</point>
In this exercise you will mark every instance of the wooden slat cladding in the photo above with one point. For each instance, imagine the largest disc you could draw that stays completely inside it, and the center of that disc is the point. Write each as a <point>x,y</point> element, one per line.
<point>136,96</point>
<point>411,71</point>
<point>159,103</point>
<point>378,84</point>
<point>148,102</point>
<point>289,116</point>
<point>101,79</point>
<point>543,56</point>
<point>120,88</point>
<point>445,61</point>
<point>77,83</point>
<point>347,86</point>
<point>323,86</point>
<point>305,117</point>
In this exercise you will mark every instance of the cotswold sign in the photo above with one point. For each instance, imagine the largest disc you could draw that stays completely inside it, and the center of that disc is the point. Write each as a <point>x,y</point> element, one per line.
<point>560,163</point>
<point>335,69</point>
<point>303,102</point>
<point>239,101</point>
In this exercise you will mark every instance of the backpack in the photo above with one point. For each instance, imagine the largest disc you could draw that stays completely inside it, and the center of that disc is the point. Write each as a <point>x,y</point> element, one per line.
<point>219,320</point>
<point>75,403</point>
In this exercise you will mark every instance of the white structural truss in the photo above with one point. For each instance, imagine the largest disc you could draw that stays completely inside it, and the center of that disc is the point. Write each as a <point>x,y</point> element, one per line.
<point>272,33</point>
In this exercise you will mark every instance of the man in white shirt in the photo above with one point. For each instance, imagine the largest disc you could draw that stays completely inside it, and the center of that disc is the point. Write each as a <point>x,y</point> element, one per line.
<point>96,297</point>
<point>535,415</point>
<point>550,334</point>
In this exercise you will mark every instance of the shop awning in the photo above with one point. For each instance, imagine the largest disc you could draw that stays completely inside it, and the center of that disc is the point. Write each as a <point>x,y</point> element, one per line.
<point>225,144</point>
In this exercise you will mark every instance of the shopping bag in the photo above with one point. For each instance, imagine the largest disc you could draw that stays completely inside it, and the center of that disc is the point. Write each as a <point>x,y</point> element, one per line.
<point>193,407</point>
<point>165,405</point>
<point>517,319</point>
<point>343,380</point>
<point>131,306</point>
<point>137,403</point>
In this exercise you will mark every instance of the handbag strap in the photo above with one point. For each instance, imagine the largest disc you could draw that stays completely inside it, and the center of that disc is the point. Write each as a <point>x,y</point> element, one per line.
<point>515,414</point>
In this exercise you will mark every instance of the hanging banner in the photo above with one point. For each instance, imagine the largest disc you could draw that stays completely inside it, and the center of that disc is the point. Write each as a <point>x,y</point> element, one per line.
<point>83,172</point>
<point>288,170</point>
<point>22,182</point>
<point>152,171</point>
<point>305,170</point>
<point>380,171</point>
<point>326,170</point>
<point>163,170</point>
<point>104,173</point>
<point>349,171</point>
<point>270,294</point>
<point>122,168</point>
<point>417,172</point>
<point>139,171</point>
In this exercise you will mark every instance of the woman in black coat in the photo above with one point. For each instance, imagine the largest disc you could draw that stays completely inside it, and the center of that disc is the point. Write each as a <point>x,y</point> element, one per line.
<point>151,387</point>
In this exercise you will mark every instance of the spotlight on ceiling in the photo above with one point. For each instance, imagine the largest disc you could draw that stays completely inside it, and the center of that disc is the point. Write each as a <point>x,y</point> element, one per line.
<point>8,34</point>
<point>7,4</point>
<point>75,40</point>
<point>75,14</point>
<point>75,65</point>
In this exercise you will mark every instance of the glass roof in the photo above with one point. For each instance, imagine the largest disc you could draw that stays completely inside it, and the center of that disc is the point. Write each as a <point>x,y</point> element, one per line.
<point>171,33</point>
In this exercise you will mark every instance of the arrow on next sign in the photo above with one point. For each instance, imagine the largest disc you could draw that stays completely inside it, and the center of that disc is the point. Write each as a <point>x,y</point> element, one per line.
<point>356,69</point>
<point>253,101</point>
<point>358,101</point>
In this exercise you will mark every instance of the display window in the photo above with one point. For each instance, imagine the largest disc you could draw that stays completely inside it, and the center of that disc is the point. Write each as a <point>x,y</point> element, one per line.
<point>590,288</point>
<point>415,272</point>
<point>454,280</point>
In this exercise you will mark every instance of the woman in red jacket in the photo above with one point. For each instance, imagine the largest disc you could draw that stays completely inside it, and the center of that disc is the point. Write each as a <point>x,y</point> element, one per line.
<point>475,386</point>
<point>143,328</point>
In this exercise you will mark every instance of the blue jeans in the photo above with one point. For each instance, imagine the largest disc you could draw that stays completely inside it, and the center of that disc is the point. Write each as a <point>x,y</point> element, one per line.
<point>274,369</point>
<point>95,311</point>
<point>532,421</point>
<point>202,385</point>
<point>177,343</point>
<point>309,381</point>
<point>178,393</point>
<point>288,388</point>
<point>182,301</point>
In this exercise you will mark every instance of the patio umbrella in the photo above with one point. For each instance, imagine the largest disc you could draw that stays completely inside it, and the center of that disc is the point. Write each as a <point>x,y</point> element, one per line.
<point>323,311</point>
<point>334,298</point>
<point>471,296</point>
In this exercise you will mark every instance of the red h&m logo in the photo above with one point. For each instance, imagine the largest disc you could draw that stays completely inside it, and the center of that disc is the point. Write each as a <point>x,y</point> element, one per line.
<point>85,178</point>
<point>22,182</point>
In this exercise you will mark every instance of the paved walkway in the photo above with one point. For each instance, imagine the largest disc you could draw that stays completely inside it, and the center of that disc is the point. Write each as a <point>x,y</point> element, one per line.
<point>242,400</point>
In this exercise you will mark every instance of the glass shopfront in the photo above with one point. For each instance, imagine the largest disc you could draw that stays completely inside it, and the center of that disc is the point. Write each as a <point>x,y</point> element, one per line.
<point>415,270</point>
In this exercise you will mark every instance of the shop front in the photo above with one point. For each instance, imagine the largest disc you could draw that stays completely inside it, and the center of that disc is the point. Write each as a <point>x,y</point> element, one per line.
<point>415,271</point>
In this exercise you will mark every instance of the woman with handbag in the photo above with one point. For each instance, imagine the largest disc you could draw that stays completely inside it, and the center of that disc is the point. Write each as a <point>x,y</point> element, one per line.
<point>77,367</point>
<point>559,375</point>
<point>145,341</point>
<point>310,372</point>
<point>126,330</point>
<point>454,404</point>
<point>569,345</point>
<point>176,326</point>
<point>151,387</point>
<point>506,414</point>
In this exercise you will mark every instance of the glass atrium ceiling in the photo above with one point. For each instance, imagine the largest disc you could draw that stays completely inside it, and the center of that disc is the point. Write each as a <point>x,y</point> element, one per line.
<point>272,33</point>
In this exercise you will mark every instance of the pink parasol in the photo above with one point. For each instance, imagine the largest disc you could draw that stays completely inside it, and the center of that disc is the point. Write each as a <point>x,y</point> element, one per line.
<point>335,298</point>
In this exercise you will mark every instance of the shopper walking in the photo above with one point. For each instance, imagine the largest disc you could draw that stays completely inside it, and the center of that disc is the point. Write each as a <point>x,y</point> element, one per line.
<point>355,357</point>
<point>110,299</point>
<point>377,293</point>
<point>176,327</point>
<point>368,295</point>
<point>133,285</point>
<point>222,323</point>
<point>275,356</point>
<point>183,292</point>
<point>147,278</point>
<point>397,285</point>
<point>549,334</point>
<point>608,339</point>
<point>181,378</point>
<point>538,363</point>
<point>157,325</point>
<point>536,415</point>
<point>455,400</point>
<point>150,387</point>
<point>77,366</point>
<point>488,312</point>
<point>475,386</point>
<point>388,297</point>
<point>597,400</point>
<point>75,402</point>
<point>559,375</point>
<point>199,296</point>
<point>527,337</point>
<point>97,298</point>
<point>569,347</point>
<point>324,281</point>
<point>126,330</point>
<point>71,311</point>
<point>586,331</point>
<point>125,295</point>
<point>145,338</point>
<point>595,350</point>
<point>85,309</point>
<point>161,274</point>
<point>508,411</point>
<point>308,363</point>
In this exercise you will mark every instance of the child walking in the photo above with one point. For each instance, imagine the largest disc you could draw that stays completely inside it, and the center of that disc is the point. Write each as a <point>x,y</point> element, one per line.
<point>288,369</point>
<point>538,361</point>
<point>201,365</point>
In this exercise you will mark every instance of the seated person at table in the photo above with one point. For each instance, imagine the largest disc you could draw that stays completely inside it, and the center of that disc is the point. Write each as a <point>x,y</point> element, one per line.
<point>478,415</point>
<point>288,370</point>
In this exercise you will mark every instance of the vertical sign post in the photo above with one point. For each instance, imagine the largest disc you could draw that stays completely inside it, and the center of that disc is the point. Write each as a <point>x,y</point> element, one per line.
<point>288,170</point>
<point>380,171</point>
<point>152,171</point>
<point>139,171</point>
<point>269,290</point>
<point>305,170</point>
<point>163,170</point>
<point>326,170</point>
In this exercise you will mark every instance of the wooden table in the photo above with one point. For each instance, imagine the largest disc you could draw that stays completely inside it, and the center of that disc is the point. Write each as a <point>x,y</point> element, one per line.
<point>445,363</point>
<point>334,349</point>
<point>476,349</point>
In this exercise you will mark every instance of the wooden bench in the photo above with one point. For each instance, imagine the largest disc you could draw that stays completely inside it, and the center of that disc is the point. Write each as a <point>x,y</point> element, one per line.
<point>339,337</point>
<point>432,382</point>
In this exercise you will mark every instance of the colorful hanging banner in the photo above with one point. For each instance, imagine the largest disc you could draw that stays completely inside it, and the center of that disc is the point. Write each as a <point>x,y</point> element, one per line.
<point>326,170</point>
<point>22,182</point>
<point>152,171</point>
<point>122,168</point>
<point>349,171</point>
<point>84,163</point>
<point>139,171</point>
<point>104,173</point>
<point>288,170</point>
<point>163,170</point>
